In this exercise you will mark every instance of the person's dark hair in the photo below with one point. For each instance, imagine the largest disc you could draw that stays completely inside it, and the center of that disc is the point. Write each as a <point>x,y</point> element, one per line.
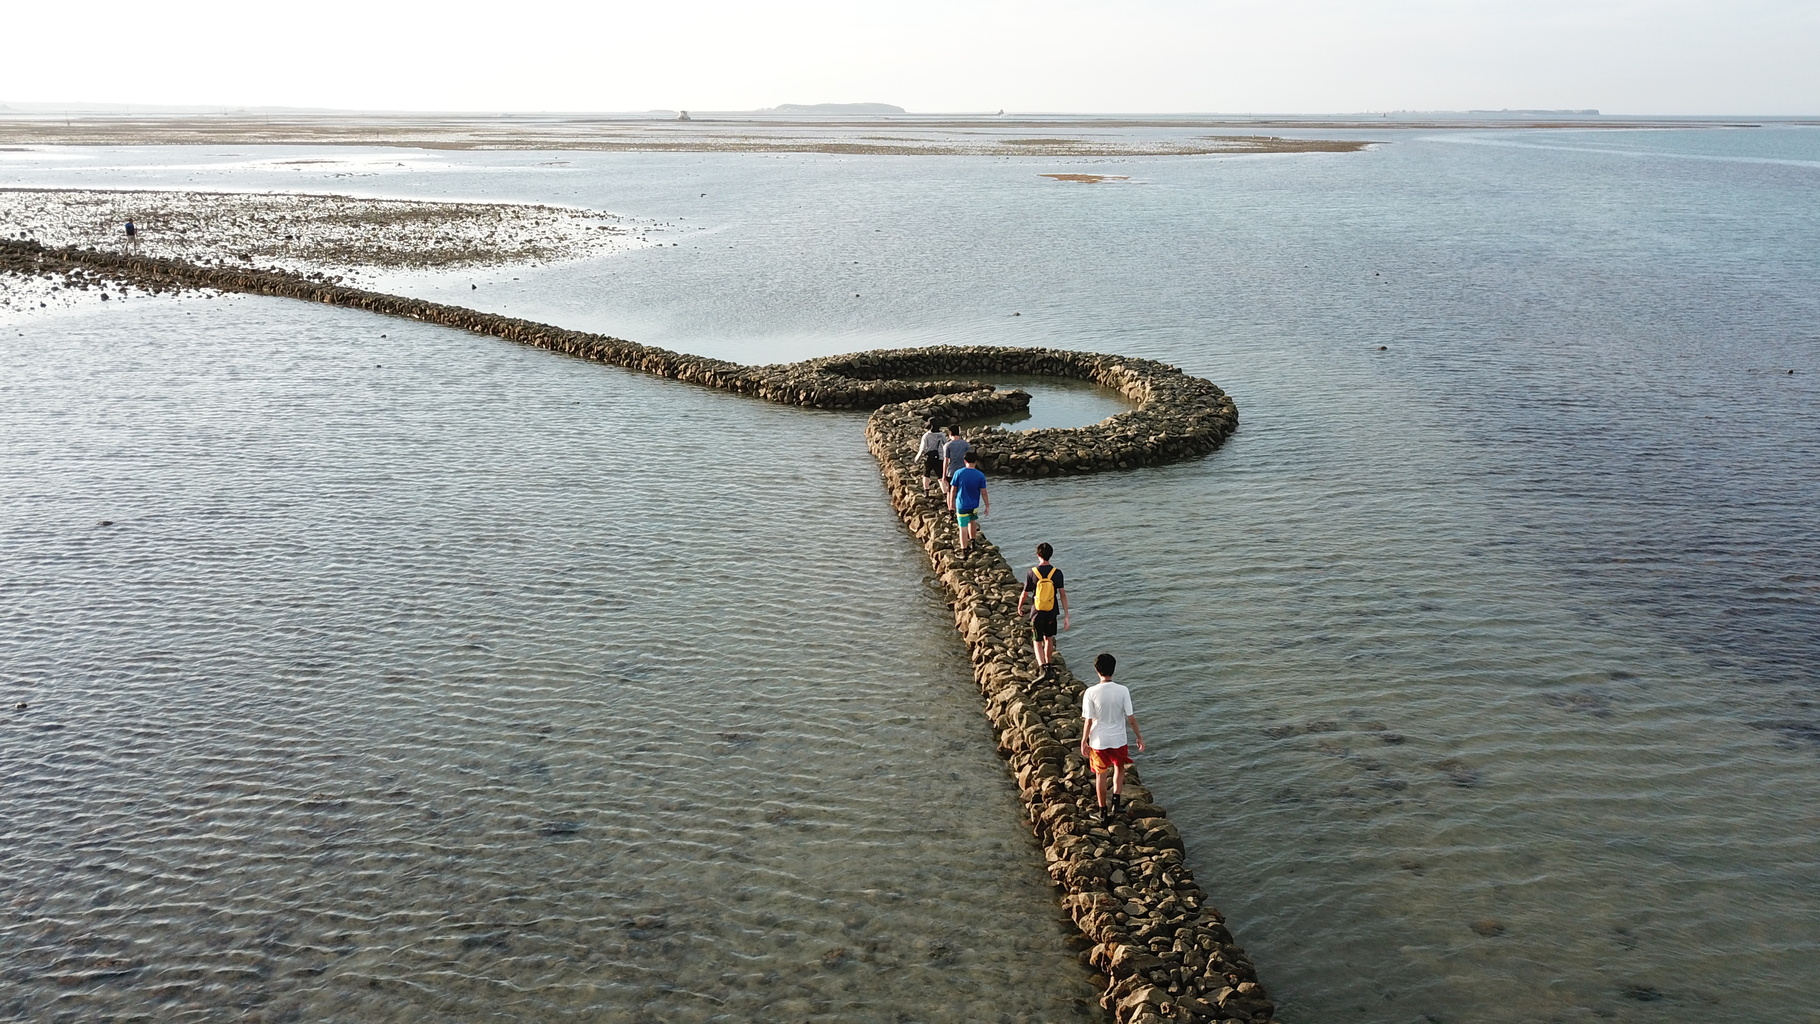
<point>970,458</point>
<point>1104,664</point>
<point>1043,551</point>
<point>955,429</point>
<point>932,425</point>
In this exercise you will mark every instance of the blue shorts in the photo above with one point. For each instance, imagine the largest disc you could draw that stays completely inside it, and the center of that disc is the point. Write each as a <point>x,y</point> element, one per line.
<point>965,517</point>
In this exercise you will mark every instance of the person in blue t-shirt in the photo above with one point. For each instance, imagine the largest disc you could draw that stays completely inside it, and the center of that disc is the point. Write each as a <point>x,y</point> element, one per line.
<point>968,498</point>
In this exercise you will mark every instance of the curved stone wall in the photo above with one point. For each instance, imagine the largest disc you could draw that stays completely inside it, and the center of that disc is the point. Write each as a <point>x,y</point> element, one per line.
<point>1166,953</point>
<point>1178,416</point>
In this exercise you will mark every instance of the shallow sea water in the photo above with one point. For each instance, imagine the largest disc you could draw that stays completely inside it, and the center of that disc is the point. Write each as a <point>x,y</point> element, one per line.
<point>1479,670</point>
<point>430,677</point>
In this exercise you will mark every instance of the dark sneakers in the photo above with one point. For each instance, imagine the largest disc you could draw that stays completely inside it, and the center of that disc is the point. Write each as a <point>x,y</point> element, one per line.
<point>1110,812</point>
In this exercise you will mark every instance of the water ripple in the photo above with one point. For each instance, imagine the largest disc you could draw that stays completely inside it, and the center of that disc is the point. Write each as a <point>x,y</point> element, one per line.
<point>421,702</point>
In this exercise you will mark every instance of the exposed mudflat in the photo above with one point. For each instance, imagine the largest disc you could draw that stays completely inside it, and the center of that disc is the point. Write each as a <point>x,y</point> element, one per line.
<point>330,233</point>
<point>875,136</point>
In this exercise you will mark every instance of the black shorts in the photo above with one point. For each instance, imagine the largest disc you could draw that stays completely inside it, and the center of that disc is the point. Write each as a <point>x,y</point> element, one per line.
<point>1042,624</point>
<point>932,464</point>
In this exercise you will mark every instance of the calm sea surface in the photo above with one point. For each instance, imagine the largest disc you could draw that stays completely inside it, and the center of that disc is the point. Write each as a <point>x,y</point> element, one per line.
<point>426,676</point>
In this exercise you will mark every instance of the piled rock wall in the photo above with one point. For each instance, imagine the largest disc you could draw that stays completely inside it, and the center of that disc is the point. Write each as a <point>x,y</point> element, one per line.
<point>1166,953</point>
<point>791,384</point>
<point>1178,416</point>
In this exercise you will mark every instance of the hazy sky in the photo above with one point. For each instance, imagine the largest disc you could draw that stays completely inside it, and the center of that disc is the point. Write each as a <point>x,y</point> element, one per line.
<point>1742,56</point>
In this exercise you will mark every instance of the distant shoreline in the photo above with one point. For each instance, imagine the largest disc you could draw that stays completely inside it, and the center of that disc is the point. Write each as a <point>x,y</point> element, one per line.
<point>879,135</point>
<point>767,132</point>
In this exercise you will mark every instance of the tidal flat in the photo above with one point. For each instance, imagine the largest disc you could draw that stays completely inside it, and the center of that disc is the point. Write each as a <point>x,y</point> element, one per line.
<point>874,136</point>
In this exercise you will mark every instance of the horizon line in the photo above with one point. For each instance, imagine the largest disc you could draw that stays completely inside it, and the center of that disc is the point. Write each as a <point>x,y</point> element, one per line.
<point>84,107</point>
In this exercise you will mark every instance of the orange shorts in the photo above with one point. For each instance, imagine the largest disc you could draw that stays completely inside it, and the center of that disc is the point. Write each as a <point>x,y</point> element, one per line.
<point>1103,760</point>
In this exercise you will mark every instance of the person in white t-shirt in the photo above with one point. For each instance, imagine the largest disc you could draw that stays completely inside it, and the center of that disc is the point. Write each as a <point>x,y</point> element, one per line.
<point>1106,718</point>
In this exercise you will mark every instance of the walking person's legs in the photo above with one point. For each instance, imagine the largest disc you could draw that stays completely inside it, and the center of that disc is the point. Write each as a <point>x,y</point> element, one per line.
<point>1108,762</point>
<point>1042,640</point>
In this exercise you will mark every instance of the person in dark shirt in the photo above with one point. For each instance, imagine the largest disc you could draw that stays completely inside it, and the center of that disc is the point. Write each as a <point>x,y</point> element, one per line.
<point>954,453</point>
<point>1043,619</point>
<point>929,450</point>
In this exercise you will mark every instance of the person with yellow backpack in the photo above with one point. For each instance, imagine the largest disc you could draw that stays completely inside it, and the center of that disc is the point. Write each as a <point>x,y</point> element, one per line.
<point>1044,590</point>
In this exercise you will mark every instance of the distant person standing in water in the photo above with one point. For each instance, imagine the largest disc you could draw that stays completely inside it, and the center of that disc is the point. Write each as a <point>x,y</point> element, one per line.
<point>1107,726</point>
<point>968,498</point>
<point>1044,590</point>
<point>954,453</point>
<point>929,453</point>
<point>132,232</point>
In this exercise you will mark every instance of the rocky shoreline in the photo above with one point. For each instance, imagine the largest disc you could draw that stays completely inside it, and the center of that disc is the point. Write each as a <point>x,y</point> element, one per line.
<point>303,232</point>
<point>1165,952</point>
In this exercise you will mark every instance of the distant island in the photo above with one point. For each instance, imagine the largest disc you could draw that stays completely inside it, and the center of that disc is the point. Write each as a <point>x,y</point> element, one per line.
<point>837,108</point>
<point>1589,112</point>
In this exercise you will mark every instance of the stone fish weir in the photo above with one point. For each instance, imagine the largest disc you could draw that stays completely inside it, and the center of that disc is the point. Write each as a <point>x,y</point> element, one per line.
<point>1166,954</point>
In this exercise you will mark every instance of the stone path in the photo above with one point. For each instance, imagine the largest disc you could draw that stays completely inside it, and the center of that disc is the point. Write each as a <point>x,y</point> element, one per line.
<point>1166,953</point>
